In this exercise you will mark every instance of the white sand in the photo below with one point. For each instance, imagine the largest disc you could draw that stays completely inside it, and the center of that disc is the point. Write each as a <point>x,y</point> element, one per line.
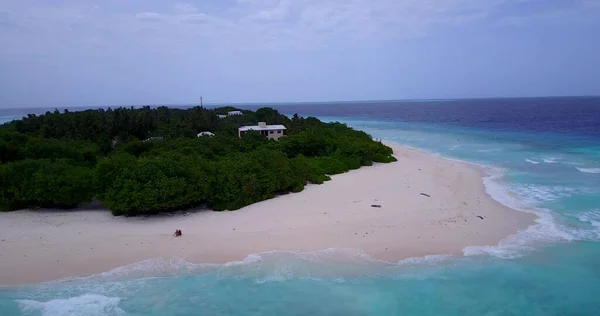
<point>43,246</point>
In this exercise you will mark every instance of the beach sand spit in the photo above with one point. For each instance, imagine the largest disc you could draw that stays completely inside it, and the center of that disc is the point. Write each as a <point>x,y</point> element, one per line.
<point>421,205</point>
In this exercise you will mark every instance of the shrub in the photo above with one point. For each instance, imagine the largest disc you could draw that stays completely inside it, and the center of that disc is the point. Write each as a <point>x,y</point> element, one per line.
<point>330,165</point>
<point>249,178</point>
<point>157,184</point>
<point>44,183</point>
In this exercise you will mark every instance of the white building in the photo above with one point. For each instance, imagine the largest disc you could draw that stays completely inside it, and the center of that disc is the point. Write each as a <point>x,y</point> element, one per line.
<point>153,139</point>
<point>221,116</point>
<point>205,134</point>
<point>270,131</point>
<point>235,113</point>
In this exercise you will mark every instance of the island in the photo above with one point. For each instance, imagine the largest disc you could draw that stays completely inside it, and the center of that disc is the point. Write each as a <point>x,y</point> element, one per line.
<point>215,175</point>
<point>140,161</point>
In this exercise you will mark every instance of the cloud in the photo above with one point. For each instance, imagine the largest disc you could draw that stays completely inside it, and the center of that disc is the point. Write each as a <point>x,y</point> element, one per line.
<point>185,8</point>
<point>150,16</point>
<point>278,12</point>
<point>578,12</point>
<point>257,24</point>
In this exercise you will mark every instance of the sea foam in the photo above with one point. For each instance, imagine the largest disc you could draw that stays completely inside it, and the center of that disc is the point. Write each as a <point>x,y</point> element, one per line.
<point>155,267</point>
<point>589,170</point>
<point>591,217</point>
<point>550,160</point>
<point>548,227</point>
<point>333,264</point>
<point>84,305</point>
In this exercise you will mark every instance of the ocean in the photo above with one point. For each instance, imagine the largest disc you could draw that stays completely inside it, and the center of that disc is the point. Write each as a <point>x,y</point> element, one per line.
<point>545,159</point>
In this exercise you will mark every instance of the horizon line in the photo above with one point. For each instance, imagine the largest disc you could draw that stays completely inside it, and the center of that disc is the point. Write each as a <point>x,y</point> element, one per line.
<point>214,104</point>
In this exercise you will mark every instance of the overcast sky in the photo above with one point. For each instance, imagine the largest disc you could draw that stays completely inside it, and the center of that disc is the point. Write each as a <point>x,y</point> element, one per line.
<point>117,52</point>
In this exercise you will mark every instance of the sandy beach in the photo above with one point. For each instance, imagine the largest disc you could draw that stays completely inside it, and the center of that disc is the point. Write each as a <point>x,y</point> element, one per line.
<point>48,245</point>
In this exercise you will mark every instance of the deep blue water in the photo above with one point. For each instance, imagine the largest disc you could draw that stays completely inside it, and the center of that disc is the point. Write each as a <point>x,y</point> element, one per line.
<point>545,154</point>
<point>569,115</point>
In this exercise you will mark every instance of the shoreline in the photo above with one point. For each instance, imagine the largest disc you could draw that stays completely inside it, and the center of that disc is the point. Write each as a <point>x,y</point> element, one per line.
<point>458,213</point>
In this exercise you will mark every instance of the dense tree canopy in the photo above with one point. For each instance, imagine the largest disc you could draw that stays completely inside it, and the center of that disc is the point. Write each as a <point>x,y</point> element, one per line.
<point>150,160</point>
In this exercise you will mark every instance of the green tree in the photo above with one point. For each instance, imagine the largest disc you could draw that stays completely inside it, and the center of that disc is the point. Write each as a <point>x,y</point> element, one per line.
<point>44,183</point>
<point>157,184</point>
<point>62,159</point>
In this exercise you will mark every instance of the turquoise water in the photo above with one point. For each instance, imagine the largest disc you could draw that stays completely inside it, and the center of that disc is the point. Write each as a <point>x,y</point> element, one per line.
<point>477,286</point>
<point>552,268</point>
<point>6,119</point>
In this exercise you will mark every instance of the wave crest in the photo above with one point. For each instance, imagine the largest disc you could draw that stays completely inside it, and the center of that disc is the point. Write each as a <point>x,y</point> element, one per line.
<point>547,229</point>
<point>550,160</point>
<point>588,170</point>
<point>338,264</point>
<point>84,305</point>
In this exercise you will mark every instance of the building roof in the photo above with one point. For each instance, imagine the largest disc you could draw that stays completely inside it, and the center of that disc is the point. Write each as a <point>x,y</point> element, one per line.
<point>154,138</point>
<point>234,112</point>
<point>205,134</point>
<point>262,128</point>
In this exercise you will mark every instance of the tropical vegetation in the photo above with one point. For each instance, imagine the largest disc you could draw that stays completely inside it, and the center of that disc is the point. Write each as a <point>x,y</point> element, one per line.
<point>150,160</point>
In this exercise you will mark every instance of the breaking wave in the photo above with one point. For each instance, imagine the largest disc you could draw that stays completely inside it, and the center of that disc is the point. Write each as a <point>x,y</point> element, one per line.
<point>591,217</point>
<point>548,228</point>
<point>589,170</point>
<point>550,160</point>
<point>84,305</point>
<point>272,266</point>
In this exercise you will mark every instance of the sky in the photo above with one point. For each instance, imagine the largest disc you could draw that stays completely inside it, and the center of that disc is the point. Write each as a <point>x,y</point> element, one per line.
<point>126,52</point>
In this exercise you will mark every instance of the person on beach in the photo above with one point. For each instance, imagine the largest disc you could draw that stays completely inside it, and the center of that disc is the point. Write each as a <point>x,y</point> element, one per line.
<point>177,233</point>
